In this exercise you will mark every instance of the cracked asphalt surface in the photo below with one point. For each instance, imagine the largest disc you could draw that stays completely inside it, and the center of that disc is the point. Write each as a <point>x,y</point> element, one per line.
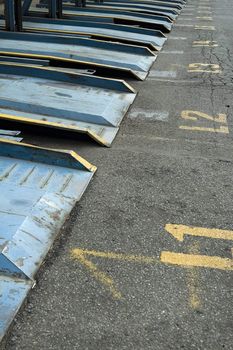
<point>154,174</point>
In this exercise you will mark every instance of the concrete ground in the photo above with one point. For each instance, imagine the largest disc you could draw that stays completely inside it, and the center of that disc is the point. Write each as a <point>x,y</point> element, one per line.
<point>136,286</point>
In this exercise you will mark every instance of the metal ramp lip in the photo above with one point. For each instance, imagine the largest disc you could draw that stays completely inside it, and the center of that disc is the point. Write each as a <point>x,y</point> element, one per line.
<point>72,78</point>
<point>42,185</point>
<point>103,135</point>
<point>111,56</point>
<point>145,20</point>
<point>53,104</point>
<point>153,39</point>
<point>125,17</point>
<point>150,4</point>
<point>156,10</point>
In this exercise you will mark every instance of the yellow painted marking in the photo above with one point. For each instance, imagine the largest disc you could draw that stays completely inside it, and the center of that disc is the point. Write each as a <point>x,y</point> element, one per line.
<point>99,275</point>
<point>221,130</point>
<point>179,231</point>
<point>205,18</point>
<point>81,254</point>
<point>206,43</point>
<point>204,68</point>
<point>117,256</point>
<point>192,279</point>
<point>191,260</point>
<point>204,27</point>
<point>192,115</point>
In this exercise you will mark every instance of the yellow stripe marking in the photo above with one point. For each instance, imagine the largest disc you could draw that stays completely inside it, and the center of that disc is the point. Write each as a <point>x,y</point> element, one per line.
<point>192,279</point>
<point>206,43</point>
<point>99,275</point>
<point>80,255</point>
<point>221,130</point>
<point>179,231</point>
<point>191,260</point>
<point>204,68</point>
<point>117,256</point>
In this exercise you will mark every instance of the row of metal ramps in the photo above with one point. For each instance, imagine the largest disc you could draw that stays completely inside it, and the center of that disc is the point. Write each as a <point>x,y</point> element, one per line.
<point>64,65</point>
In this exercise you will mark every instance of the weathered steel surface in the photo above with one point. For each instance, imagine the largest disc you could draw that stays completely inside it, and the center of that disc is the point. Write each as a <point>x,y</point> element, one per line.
<point>107,56</point>
<point>39,188</point>
<point>153,39</point>
<point>63,100</point>
<point>172,13</point>
<point>172,5</point>
<point>113,16</point>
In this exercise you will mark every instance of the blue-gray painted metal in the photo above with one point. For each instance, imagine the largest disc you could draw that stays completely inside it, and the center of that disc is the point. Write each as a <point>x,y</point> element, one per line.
<point>68,101</point>
<point>29,61</point>
<point>39,187</point>
<point>172,13</point>
<point>174,5</point>
<point>153,39</point>
<point>9,15</point>
<point>125,17</point>
<point>106,55</point>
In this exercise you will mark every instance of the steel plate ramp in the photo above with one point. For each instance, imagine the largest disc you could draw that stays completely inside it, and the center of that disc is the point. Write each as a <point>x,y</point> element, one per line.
<point>160,10</point>
<point>105,58</point>
<point>113,16</point>
<point>68,101</point>
<point>39,187</point>
<point>153,39</point>
<point>140,4</point>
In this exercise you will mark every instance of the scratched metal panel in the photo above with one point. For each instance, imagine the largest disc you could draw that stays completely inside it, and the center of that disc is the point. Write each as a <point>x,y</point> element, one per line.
<point>74,102</point>
<point>118,57</point>
<point>39,187</point>
<point>153,39</point>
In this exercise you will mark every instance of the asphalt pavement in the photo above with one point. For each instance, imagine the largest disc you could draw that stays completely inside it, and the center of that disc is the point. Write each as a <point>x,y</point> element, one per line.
<point>145,260</point>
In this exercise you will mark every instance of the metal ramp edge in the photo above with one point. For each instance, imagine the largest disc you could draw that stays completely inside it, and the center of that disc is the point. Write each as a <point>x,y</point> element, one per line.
<point>39,187</point>
<point>105,58</point>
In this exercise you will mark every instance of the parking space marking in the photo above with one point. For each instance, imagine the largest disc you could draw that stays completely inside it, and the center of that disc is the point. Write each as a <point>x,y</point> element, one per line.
<point>204,43</point>
<point>166,257</point>
<point>180,231</point>
<point>200,27</point>
<point>195,260</point>
<point>183,25</point>
<point>162,74</point>
<point>205,18</point>
<point>173,52</point>
<point>177,38</point>
<point>142,114</point>
<point>193,281</point>
<point>197,115</point>
<point>204,68</point>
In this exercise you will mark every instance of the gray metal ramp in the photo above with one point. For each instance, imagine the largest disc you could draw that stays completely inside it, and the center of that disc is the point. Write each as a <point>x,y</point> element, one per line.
<point>153,39</point>
<point>61,100</point>
<point>153,10</point>
<point>124,17</point>
<point>103,56</point>
<point>39,187</point>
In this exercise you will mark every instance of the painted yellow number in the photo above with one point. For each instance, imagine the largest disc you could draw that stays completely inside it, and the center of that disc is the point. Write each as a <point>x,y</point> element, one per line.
<point>204,43</point>
<point>197,115</point>
<point>204,68</point>
<point>191,260</point>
